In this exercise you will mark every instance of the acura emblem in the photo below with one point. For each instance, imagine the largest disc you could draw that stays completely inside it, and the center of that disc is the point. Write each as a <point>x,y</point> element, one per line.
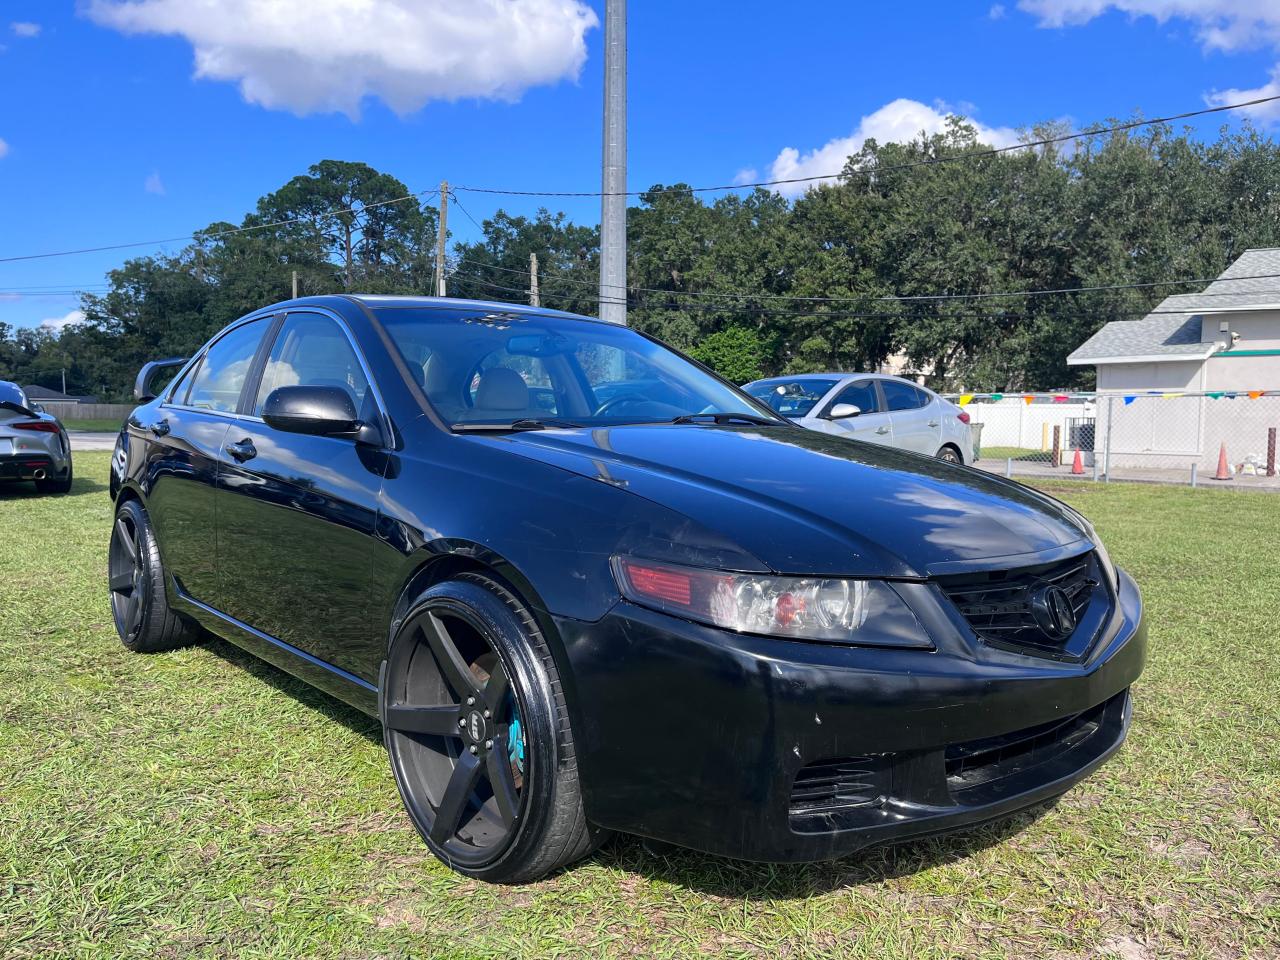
<point>1053,612</point>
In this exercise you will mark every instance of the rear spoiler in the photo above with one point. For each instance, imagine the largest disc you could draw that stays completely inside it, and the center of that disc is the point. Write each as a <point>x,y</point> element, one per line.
<point>10,405</point>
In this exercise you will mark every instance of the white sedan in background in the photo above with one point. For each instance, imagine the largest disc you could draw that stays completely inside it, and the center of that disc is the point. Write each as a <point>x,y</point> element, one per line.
<point>874,407</point>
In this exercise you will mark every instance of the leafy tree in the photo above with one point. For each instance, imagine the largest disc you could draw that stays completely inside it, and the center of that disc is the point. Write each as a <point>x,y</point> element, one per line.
<point>734,352</point>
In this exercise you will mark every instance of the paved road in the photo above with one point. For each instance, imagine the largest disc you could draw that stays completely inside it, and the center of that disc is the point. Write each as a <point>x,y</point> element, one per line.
<point>92,441</point>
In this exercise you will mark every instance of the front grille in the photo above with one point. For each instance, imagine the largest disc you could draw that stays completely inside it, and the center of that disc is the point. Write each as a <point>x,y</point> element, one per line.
<point>845,782</point>
<point>977,762</point>
<point>997,603</point>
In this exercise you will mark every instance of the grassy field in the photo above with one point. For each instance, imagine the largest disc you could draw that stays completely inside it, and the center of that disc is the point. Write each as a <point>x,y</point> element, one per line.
<point>203,804</point>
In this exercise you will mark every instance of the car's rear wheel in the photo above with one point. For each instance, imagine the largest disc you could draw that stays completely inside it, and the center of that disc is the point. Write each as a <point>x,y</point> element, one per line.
<point>478,735</point>
<point>60,484</point>
<point>950,454</point>
<point>136,581</point>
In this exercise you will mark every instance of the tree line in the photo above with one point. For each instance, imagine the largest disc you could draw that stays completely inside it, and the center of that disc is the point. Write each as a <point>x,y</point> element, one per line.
<point>937,215</point>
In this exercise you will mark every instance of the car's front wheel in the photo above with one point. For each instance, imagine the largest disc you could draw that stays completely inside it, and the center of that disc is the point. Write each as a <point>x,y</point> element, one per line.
<point>136,581</point>
<point>949,454</point>
<point>478,735</point>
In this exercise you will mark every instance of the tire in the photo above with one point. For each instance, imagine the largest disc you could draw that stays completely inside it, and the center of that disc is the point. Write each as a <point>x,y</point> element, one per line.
<point>135,574</point>
<point>950,454</point>
<point>501,770</point>
<point>57,485</point>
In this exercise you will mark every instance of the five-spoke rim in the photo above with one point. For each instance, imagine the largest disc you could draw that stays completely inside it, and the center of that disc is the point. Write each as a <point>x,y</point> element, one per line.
<point>450,713</point>
<point>128,581</point>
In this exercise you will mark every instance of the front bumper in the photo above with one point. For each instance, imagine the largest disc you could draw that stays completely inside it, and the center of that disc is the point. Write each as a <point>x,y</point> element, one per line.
<point>696,736</point>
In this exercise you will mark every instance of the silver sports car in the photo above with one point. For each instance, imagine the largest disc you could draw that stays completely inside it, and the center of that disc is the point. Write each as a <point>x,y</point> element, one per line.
<point>33,444</point>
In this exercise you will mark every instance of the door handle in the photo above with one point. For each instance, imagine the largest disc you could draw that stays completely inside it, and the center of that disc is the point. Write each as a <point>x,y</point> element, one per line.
<point>242,451</point>
<point>882,430</point>
<point>160,428</point>
<point>933,423</point>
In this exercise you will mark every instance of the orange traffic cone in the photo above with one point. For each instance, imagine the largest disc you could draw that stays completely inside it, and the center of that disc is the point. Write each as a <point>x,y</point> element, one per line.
<point>1224,471</point>
<point>1077,465</point>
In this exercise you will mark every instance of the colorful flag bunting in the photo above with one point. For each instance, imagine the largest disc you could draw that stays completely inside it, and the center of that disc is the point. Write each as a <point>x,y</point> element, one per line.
<point>1254,394</point>
<point>1028,400</point>
<point>1129,399</point>
<point>965,399</point>
<point>997,397</point>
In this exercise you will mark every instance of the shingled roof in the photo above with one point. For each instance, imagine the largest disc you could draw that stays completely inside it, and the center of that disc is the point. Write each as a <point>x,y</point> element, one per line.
<point>1172,330</point>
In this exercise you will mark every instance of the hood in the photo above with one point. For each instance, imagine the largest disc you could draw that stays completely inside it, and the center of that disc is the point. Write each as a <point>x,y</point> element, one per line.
<point>808,503</point>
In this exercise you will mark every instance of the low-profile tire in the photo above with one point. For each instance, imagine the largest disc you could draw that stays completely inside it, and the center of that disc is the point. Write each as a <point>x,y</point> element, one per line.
<point>950,454</point>
<point>478,735</point>
<point>136,582</point>
<point>60,484</point>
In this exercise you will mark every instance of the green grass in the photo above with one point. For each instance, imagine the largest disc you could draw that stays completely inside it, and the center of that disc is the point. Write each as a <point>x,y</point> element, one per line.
<point>203,804</point>
<point>94,426</point>
<point>1015,453</point>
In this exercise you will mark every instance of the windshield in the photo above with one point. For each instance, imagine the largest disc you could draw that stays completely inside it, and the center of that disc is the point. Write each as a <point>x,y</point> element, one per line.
<point>12,393</point>
<point>791,398</point>
<point>502,368</point>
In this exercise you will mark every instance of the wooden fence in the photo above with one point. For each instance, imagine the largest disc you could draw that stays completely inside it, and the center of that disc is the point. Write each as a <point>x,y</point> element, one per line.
<point>89,411</point>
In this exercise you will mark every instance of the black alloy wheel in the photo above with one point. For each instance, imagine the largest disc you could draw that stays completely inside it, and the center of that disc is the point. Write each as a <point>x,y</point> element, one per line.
<point>135,578</point>
<point>478,738</point>
<point>949,455</point>
<point>128,580</point>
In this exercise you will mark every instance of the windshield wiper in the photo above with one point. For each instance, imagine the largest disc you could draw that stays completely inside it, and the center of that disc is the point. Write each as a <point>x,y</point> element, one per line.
<point>728,418</point>
<point>524,423</point>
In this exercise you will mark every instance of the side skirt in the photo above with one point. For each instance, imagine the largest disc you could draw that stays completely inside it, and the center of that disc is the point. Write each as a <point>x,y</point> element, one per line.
<point>322,675</point>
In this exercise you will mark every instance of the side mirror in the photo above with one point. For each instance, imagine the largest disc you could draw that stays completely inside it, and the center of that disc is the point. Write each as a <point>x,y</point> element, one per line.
<point>317,411</point>
<point>842,411</point>
<point>142,391</point>
<point>37,407</point>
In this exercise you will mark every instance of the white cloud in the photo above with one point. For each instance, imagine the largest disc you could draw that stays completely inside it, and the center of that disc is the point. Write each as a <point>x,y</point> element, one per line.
<point>1221,25</point>
<point>746,175</point>
<point>57,324</point>
<point>25,30</point>
<point>1266,112</point>
<point>315,56</point>
<point>153,184</point>
<point>4,149</point>
<point>897,122</point>
<point>996,12</point>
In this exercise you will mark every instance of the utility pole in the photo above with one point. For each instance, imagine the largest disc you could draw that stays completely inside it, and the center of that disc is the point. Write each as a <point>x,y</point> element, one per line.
<point>533,280</point>
<point>613,205</point>
<point>442,235</point>
<point>295,284</point>
<point>64,381</point>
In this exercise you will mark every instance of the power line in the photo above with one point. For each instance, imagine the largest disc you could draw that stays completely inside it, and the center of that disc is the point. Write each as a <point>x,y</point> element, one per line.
<point>915,298</point>
<point>217,234</point>
<point>426,194</point>
<point>1046,141</point>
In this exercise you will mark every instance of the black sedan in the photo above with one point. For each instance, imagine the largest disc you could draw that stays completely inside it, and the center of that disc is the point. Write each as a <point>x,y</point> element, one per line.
<point>587,585</point>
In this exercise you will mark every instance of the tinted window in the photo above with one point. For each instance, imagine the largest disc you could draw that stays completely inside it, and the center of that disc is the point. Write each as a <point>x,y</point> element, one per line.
<point>862,394</point>
<point>903,396</point>
<point>224,368</point>
<point>539,393</point>
<point>179,394</point>
<point>791,398</point>
<point>312,351</point>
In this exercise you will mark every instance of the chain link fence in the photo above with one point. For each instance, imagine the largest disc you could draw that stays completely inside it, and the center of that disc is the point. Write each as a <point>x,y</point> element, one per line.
<point>1216,438</point>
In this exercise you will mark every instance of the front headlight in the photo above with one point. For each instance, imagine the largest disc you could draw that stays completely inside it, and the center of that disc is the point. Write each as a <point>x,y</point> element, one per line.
<point>1100,551</point>
<point>804,608</point>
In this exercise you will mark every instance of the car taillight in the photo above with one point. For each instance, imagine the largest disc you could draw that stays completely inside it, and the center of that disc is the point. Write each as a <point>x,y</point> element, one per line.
<point>962,417</point>
<point>39,426</point>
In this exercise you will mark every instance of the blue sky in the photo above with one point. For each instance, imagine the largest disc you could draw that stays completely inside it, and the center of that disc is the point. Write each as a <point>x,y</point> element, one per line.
<point>144,119</point>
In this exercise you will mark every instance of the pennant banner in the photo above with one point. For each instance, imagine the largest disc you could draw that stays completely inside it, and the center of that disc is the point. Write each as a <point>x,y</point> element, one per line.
<point>1129,399</point>
<point>1254,394</point>
<point>1028,400</point>
<point>965,399</point>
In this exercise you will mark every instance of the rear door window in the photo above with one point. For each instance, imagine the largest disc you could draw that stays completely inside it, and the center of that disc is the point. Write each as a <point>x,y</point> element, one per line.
<point>902,396</point>
<point>225,366</point>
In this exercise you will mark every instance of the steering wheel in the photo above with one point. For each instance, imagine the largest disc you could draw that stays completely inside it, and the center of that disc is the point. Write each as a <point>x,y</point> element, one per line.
<point>621,398</point>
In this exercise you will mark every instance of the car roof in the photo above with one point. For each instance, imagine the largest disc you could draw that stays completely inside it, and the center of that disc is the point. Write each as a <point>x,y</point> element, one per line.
<point>379,301</point>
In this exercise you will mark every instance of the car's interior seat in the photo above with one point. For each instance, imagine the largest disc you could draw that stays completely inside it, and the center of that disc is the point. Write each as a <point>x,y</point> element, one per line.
<point>501,394</point>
